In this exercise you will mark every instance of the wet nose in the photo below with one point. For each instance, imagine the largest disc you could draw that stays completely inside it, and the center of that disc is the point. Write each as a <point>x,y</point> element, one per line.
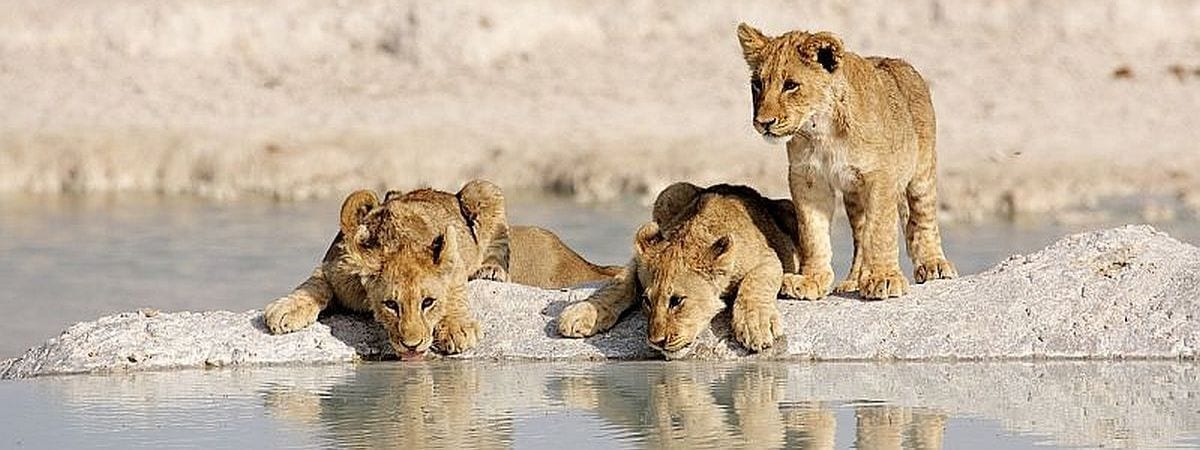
<point>660,342</point>
<point>410,347</point>
<point>765,122</point>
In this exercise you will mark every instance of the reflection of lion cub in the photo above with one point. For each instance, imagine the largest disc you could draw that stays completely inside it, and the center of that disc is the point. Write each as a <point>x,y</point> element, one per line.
<point>407,261</point>
<point>862,126</point>
<point>703,245</point>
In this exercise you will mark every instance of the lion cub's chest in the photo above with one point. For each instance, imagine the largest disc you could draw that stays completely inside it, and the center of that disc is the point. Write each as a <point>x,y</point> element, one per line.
<point>824,158</point>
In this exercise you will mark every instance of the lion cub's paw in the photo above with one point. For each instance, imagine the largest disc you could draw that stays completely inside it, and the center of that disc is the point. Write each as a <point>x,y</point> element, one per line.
<point>288,314</point>
<point>456,335</point>
<point>490,271</point>
<point>882,284</point>
<point>938,269</point>
<point>807,286</point>
<point>579,320</point>
<point>846,286</point>
<point>756,327</point>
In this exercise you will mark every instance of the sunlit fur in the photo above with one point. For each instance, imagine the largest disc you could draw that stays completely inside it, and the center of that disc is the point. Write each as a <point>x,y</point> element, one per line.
<point>407,252</point>
<point>861,126</point>
<point>417,250</point>
<point>686,269</point>
<point>704,247</point>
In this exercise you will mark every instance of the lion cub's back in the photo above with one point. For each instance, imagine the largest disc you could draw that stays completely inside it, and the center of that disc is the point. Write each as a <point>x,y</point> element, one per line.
<point>915,92</point>
<point>743,212</point>
<point>537,257</point>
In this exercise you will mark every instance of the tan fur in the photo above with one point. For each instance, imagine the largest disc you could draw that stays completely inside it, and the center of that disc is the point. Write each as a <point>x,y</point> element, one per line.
<point>407,261</point>
<point>703,246</point>
<point>861,126</point>
<point>540,258</point>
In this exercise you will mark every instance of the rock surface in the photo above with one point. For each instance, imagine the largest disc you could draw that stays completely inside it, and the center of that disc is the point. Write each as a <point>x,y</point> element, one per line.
<point>1129,292</point>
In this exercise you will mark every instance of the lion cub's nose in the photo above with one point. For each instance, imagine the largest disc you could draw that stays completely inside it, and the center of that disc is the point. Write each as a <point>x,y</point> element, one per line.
<point>407,346</point>
<point>659,342</point>
<point>765,122</point>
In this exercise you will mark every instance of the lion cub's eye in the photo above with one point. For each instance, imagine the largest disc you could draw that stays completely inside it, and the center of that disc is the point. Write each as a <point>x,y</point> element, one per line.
<point>429,301</point>
<point>392,305</point>
<point>756,85</point>
<point>790,85</point>
<point>677,300</point>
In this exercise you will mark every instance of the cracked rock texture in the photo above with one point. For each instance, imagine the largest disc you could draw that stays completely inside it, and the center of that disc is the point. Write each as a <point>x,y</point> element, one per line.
<point>1129,292</point>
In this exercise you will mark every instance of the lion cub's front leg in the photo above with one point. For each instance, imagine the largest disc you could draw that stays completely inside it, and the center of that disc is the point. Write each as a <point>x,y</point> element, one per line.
<point>880,276</point>
<point>457,331</point>
<point>301,307</point>
<point>814,198</point>
<point>494,264</point>
<point>601,310</point>
<point>755,315</point>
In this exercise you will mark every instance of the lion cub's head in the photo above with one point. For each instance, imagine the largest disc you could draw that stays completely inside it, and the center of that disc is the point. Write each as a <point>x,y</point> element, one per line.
<point>406,264</point>
<point>792,80</point>
<point>683,280</point>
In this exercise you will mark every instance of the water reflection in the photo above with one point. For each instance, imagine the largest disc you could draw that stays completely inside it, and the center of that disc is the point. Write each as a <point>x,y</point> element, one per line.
<point>745,407</point>
<point>417,406</point>
<point>638,405</point>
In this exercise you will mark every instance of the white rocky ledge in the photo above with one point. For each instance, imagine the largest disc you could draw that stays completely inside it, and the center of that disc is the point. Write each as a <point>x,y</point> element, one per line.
<point>1129,292</point>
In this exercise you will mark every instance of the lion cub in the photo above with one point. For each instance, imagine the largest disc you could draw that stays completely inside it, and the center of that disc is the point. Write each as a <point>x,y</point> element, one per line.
<point>862,126</point>
<point>407,260</point>
<point>702,246</point>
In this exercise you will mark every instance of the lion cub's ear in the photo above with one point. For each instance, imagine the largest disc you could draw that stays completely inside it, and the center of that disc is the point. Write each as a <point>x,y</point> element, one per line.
<point>717,252</point>
<point>646,237</point>
<point>392,195</point>
<point>354,210</point>
<point>674,201</point>
<point>444,248</point>
<point>825,49</point>
<point>753,42</point>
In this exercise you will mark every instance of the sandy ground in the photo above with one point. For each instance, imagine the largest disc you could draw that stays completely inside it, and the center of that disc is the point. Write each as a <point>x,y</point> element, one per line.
<point>1044,107</point>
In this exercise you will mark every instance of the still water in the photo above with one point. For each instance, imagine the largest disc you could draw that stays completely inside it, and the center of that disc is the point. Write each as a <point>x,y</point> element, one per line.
<point>461,405</point>
<point>65,259</point>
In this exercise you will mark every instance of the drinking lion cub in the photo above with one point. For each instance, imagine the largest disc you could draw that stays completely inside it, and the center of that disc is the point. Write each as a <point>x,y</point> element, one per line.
<point>702,246</point>
<point>862,126</point>
<point>407,261</point>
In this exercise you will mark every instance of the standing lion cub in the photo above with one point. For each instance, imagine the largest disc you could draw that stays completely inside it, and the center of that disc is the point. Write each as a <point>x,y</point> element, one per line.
<point>407,259</point>
<point>862,126</point>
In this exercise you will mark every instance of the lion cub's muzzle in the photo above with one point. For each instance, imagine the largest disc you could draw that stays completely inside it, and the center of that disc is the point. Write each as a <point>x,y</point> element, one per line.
<point>415,352</point>
<point>672,348</point>
<point>773,132</point>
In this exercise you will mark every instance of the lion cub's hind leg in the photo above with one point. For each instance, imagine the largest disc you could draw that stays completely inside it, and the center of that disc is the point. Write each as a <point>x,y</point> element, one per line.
<point>600,311</point>
<point>300,308</point>
<point>756,322</point>
<point>922,234</point>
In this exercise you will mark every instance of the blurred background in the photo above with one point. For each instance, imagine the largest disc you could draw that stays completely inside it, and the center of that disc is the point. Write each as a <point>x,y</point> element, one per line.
<point>191,154</point>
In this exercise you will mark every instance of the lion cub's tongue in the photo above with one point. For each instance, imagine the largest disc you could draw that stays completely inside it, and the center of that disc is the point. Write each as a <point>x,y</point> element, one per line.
<point>412,356</point>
